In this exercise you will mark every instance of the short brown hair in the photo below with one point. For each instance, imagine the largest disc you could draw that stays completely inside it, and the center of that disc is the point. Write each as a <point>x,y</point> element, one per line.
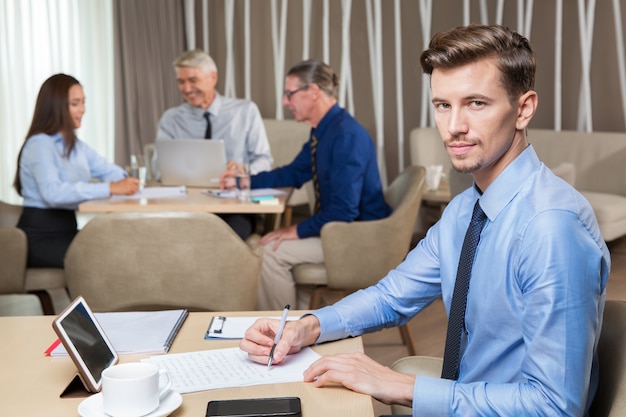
<point>466,44</point>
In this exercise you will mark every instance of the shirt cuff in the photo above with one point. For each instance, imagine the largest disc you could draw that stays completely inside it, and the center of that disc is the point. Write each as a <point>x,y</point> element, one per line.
<point>331,325</point>
<point>101,190</point>
<point>432,396</point>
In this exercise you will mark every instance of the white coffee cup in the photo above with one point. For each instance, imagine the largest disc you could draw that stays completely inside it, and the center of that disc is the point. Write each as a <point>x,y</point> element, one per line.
<point>133,389</point>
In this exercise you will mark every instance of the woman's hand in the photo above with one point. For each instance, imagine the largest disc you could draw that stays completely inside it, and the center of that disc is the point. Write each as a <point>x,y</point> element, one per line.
<point>126,186</point>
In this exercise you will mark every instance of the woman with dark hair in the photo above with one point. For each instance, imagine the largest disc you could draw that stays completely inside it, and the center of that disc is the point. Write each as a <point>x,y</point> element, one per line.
<point>55,170</point>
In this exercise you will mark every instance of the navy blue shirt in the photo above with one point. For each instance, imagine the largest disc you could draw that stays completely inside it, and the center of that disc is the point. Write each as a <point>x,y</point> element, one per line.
<point>349,181</point>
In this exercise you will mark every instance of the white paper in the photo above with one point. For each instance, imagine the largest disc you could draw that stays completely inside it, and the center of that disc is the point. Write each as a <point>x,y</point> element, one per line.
<point>154,192</point>
<point>257,192</point>
<point>225,368</point>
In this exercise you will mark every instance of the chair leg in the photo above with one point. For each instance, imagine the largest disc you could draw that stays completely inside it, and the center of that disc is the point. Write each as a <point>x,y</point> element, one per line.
<point>46,301</point>
<point>316,297</point>
<point>288,216</point>
<point>407,339</point>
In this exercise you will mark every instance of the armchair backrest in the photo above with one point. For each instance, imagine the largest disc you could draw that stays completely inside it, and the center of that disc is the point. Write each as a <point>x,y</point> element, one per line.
<point>359,254</point>
<point>286,138</point>
<point>131,261</point>
<point>610,400</point>
<point>12,260</point>
<point>9,214</point>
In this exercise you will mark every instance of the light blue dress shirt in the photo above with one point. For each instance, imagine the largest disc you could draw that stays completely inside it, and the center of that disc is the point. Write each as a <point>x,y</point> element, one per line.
<point>236,121</point>
<point>50,180</point>
<point>535,303</point>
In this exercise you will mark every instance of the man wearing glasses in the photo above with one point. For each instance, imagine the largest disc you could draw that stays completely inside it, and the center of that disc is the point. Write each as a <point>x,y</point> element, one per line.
<point>340,159</point>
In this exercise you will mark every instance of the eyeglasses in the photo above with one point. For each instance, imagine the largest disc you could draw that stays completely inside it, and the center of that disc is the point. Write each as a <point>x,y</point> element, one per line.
<point>289,94</point>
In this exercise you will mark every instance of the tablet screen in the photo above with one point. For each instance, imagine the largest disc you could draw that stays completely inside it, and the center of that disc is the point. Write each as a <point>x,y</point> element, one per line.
<point>86,343</point>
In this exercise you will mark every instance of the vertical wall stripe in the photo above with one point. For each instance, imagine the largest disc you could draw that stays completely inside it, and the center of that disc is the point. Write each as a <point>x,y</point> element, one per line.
<point>326,33</point>
<point>190,24</point>
<point>397,15</point>
<point>484,14</point>
<point>499,12</point>
<point>205,26</point>
<point>247,49</point>
<point>466,12</point>
<point>279,30</point>
<point>306,29</point>
<point>426,115</point>
<point>346,96</point>
<point>621,59</point>
<point>585,24</point>
<point>558,65</point>
<point>374,32</point>
<point>229,17</point>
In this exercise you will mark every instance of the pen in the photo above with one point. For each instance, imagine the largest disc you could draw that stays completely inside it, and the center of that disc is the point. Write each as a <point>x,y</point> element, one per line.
<point>279,333</point>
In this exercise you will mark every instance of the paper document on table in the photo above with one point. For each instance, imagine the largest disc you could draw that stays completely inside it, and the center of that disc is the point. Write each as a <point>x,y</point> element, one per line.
<point>154,192</point>
<point>225,368</point>
<point>257,192</point>
<point>222,327</point>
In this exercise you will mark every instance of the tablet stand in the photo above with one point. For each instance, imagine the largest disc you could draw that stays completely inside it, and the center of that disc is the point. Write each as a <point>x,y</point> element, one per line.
<point>76,389</point>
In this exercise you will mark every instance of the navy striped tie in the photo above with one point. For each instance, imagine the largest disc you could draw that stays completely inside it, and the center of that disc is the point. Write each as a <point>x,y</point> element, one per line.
<point>456,321</point>
<point>316,184</point>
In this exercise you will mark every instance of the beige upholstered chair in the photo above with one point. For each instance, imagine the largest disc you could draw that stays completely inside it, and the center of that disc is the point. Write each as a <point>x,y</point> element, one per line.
<point>136,261</point>
<point>610,400</point>
<point>13,299</point>
<point>358,254</point>
<point>39,281</point>
<point>286,138</point>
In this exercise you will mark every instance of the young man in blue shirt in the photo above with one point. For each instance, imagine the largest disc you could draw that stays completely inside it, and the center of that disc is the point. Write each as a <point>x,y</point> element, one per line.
<point>537,288</point>
<point>340,157</point>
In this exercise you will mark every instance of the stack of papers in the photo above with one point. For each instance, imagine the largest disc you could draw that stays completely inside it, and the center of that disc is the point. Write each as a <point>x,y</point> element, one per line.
<point>225,368</point>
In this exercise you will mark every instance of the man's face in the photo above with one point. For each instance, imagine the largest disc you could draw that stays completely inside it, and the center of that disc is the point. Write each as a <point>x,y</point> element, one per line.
<point>475,118</point>
<point>196,87</point>
<point>297,98</point>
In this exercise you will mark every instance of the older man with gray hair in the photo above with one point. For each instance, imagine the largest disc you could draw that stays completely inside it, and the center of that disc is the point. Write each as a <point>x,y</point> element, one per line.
<point>207,114</point>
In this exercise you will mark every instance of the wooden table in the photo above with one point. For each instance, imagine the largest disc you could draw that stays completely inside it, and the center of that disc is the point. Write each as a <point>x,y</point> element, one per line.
<point>196,199</point>
<point>31,382</point>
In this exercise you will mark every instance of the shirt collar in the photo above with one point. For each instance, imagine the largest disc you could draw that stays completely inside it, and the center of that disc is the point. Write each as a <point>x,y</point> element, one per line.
<point>327,120</point>
<point>506,186</point>
<point>214,108</point>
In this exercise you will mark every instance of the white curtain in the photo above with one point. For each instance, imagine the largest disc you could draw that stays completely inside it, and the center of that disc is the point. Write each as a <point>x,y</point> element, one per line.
<point>39,38</point>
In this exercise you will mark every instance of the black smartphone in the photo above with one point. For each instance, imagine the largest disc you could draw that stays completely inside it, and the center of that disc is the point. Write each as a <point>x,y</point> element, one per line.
<point>255,407</point>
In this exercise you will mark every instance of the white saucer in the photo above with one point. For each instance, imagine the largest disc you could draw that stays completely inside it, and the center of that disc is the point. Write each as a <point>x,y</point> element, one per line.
<point>92,406</point>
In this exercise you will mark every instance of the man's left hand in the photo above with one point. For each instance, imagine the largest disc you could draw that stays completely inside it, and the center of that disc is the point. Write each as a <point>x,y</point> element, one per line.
<point>360,373</point>
<point>285,233</point>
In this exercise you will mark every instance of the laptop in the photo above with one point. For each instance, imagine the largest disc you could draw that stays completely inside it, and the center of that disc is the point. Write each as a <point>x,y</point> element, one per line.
<point>191,162</point>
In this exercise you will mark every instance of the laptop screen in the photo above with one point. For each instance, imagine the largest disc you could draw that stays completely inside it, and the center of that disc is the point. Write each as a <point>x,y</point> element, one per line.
<point>191,162</point>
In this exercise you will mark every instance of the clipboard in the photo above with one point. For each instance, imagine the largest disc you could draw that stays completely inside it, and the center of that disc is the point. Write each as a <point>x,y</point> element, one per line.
<point>222,327</point>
